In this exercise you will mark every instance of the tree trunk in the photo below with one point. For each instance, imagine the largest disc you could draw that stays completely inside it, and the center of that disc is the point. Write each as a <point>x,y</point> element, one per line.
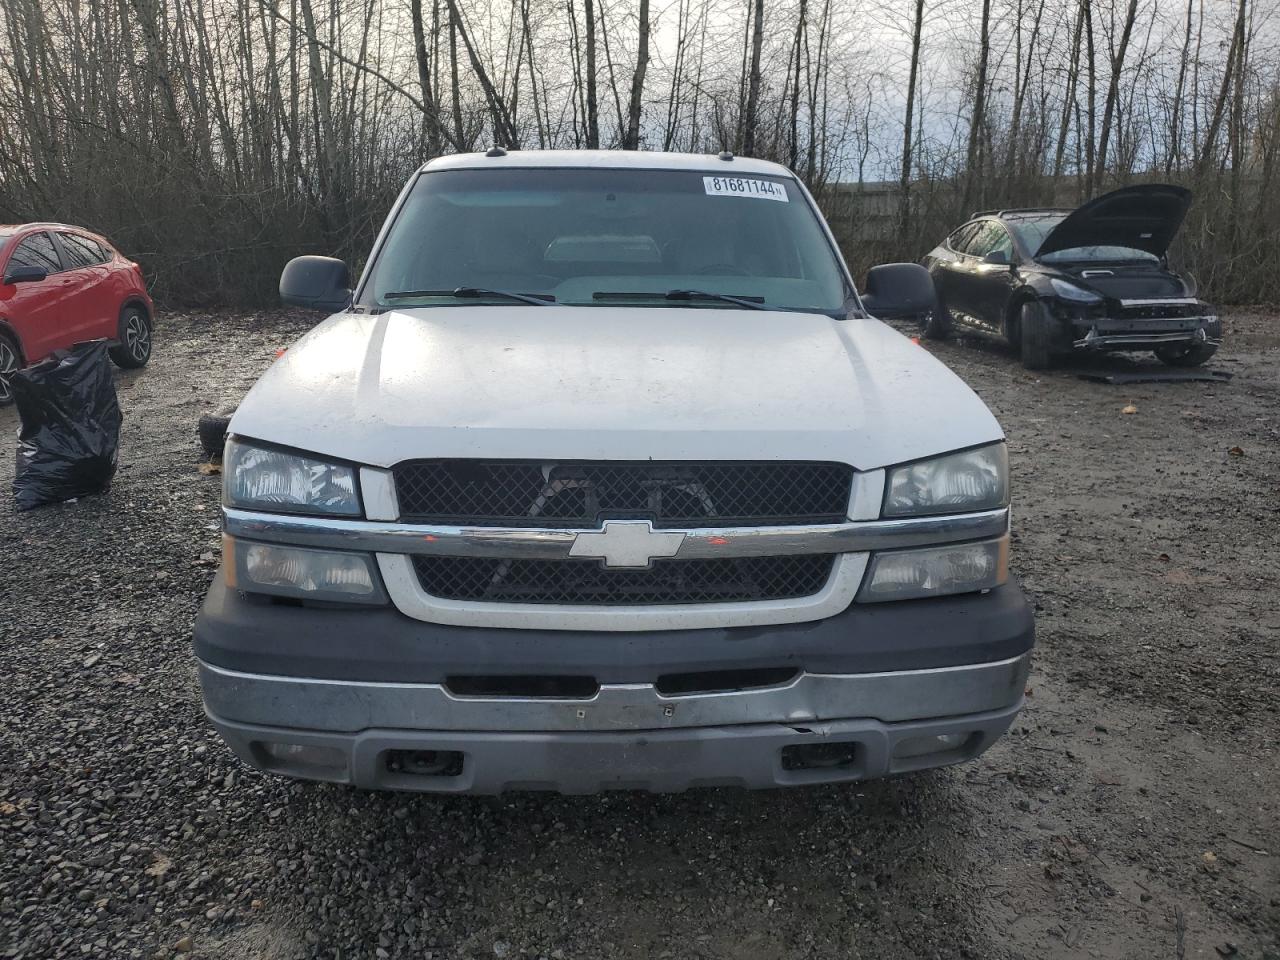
<point>904,196</point>
<point>1174,157</point>
<point>749,118</point>
<point>1113,89</point>
<point>632,141</point>
<point>431,116</point>
<point>593,109</point>
<point>1215,122</point>
<point>973,158</point>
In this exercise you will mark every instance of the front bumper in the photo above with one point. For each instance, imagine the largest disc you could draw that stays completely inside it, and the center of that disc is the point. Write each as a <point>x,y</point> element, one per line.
<point>367,686</point>
<point>1117,326</point>
<point>663,760</point>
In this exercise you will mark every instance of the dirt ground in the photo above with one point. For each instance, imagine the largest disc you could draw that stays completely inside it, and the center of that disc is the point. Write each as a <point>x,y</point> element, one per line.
<point>1133,812</point>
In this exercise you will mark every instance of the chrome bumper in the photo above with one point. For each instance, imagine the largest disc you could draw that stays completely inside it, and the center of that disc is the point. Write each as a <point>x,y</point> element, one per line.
<point>349,706</point>
<point>628,736</point>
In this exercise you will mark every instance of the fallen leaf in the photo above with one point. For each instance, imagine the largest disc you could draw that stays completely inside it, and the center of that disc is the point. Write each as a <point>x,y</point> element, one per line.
<point>1129,409</point>
<point>160,867</point>
<point>1236,452</point>
<point>210,469</point>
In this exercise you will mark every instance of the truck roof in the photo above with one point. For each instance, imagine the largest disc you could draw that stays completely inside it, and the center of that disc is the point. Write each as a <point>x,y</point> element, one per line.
<point>606,159</point>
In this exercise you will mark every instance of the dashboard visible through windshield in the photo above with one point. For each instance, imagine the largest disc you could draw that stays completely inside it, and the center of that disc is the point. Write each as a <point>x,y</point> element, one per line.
<point>619,237</point>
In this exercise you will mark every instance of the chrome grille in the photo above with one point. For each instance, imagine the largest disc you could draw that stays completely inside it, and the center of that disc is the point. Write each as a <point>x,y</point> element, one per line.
<point>589,582</point>
<point>515,493</point>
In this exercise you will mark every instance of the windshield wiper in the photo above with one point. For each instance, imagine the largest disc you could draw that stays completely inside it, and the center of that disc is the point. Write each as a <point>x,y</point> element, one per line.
<point>469,293</point>
<point>755,303</point>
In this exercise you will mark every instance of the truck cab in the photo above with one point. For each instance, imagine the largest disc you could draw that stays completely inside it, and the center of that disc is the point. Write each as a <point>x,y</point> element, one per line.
<point>603,475</point>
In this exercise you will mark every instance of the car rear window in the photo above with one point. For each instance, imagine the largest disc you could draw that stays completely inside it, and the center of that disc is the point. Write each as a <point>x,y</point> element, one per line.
<point>36,251</point>
<point>81,251</point>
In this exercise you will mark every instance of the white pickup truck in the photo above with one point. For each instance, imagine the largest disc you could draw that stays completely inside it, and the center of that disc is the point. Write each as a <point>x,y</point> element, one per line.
<point>604,476</point>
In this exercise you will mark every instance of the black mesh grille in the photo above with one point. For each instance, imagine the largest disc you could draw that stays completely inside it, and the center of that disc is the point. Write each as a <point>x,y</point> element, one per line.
<point>514,493</point>
<point>588,582</point>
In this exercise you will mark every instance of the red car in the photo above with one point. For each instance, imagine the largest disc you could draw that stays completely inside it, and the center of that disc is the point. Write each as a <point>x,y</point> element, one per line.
<point>61,285</point>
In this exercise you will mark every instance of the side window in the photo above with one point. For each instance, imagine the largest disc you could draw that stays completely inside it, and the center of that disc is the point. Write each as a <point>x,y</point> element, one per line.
<point>80,251</point>
<point>36,251</point>
<point>959,238</point>
<point>990,236</point>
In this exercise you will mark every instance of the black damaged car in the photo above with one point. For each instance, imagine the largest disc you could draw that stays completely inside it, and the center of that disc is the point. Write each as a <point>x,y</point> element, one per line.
<point>1052,281</point>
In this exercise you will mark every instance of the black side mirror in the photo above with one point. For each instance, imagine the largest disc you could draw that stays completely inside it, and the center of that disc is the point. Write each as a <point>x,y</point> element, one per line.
<point>899,290</point>
<point>25,274</point>
<point>998,257</point>
<point>320,283</point>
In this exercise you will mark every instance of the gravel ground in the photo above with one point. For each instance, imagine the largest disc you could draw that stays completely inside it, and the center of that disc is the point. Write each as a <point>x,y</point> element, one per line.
<point>1131,813</point>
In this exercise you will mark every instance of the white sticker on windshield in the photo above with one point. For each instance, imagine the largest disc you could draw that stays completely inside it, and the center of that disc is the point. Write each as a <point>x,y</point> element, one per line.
<point>744,187</point>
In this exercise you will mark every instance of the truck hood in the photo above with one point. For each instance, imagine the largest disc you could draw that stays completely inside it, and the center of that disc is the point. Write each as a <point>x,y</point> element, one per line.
<point>562,382</point>
<point>1145,217</point>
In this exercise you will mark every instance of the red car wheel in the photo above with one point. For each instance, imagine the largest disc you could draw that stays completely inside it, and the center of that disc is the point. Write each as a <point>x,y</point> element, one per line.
<point>8,364</point>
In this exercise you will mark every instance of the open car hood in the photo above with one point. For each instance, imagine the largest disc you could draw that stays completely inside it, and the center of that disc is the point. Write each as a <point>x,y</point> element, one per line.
<point>1145,217</point>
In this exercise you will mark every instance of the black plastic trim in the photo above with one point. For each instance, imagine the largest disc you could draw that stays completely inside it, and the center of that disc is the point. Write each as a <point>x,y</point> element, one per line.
<point>381,644</point>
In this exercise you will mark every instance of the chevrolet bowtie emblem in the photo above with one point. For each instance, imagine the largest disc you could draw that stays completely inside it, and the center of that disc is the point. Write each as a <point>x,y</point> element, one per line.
<point>627,543</point>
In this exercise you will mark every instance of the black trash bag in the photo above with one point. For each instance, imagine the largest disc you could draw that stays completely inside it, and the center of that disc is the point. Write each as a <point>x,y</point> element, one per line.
<point>70,435</point>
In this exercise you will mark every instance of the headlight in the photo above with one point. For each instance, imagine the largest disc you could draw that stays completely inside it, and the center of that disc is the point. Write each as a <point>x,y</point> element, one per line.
<point>258,478</point>
<point>1069,291</point>
<point>936,571</point>
<point>956,483</point>
<point>301,572</point>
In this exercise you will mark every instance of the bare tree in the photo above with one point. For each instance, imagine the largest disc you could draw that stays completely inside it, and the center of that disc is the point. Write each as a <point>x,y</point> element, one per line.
<point>750,116</point>
<point>904,184</point>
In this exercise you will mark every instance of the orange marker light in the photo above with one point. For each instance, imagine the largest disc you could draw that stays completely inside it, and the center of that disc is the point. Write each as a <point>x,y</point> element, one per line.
<point>718,541</point>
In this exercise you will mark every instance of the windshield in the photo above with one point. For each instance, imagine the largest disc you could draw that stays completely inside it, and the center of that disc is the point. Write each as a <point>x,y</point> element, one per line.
<point>594,237</point>
<point>1032,233</point>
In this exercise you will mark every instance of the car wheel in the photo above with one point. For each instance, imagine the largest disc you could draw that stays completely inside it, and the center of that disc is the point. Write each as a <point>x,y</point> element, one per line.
<point>1185,354</point>
<point>1035,329</point>
<point>9,364</point>
<point>938,324</point>
<point>134,348</point>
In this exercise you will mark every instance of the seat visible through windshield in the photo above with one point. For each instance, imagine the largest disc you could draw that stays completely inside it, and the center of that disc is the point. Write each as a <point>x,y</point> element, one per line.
<point>586,236</point>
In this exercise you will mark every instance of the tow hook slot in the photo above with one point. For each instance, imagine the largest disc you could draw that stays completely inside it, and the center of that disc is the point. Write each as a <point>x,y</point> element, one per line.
<point>819,756</point>
<point>424,763</point>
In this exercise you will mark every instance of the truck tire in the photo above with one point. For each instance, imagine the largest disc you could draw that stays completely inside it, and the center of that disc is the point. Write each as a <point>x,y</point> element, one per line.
<point>1035,343</point>
<point>134,349</point>
<point>938,324</point>
<point>1185,354</point>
